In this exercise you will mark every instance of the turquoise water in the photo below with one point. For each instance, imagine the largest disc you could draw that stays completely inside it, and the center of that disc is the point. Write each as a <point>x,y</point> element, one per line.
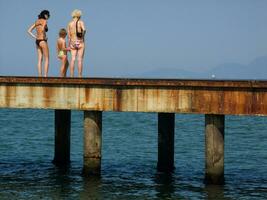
<point>129,158</point>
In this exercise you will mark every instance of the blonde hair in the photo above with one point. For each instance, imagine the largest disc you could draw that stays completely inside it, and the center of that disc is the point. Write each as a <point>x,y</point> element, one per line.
<point>76,13</point>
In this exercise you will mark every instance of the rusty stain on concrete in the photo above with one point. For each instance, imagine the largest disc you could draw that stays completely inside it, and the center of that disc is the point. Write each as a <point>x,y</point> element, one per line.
<point>240,97</point>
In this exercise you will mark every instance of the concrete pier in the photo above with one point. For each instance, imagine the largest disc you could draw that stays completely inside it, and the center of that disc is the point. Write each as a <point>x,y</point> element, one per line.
<point>92,142</point>
<point>214,140</point>
<point>166,123</point>
<point>62,137</point>
<point>213,98</point>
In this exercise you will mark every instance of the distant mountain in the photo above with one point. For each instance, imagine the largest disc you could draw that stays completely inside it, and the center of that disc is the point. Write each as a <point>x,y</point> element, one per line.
<point>168,73</point>
<point>257,69</point>
<point>226,70</point>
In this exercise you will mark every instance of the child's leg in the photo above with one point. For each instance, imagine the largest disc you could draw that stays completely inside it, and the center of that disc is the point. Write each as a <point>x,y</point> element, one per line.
<point>62,67</point>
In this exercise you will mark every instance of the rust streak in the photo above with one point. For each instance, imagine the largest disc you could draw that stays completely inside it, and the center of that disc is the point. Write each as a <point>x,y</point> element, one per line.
<point>118,99</point>
<point>141,95</point>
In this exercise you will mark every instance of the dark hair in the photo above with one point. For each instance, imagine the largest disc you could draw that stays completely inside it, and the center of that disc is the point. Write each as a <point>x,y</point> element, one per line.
<point>43,13</point>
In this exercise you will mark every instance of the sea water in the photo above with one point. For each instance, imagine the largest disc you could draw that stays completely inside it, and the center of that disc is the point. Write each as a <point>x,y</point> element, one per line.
<point>129,158</point>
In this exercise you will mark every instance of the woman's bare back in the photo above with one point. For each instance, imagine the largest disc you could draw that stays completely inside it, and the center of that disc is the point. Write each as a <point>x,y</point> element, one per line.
<point>40,26</point>
<point>72,29</point>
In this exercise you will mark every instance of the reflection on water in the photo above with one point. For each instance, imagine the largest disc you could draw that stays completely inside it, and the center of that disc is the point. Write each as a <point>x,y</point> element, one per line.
<point>91,188</point>
<point>214,192</point>
<point>43,180</point>
<point>164,185</point>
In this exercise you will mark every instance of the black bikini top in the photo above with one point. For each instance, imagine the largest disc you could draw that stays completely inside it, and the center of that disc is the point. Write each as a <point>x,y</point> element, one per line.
<point>46,28</point>
<point>79,34</point>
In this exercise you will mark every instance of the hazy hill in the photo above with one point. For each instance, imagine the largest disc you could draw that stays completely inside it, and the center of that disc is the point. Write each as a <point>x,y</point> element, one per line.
<point>167,73</point>
<point>257,69</point>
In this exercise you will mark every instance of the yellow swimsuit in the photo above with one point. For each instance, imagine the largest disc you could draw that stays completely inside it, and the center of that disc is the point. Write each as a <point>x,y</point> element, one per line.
<point>61,53</point>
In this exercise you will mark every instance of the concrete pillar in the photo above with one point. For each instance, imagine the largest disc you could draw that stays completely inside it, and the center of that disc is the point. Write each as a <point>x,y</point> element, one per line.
<point>214,139</point>
<point>166,124</point>
<point>62,137</point>
<point>92,142</point>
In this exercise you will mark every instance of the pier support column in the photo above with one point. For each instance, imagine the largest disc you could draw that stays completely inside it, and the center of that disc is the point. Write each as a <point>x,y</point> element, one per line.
<point>166,123</point>
<point>214,139</point>
<point>92,142</point>
<point>62,137</point>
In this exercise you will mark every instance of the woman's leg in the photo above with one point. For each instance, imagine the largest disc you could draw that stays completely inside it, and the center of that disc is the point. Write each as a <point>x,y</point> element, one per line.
<point>72,61</point>
<point>45,50</point>
<point>39,62</point>
<point>80,59</point>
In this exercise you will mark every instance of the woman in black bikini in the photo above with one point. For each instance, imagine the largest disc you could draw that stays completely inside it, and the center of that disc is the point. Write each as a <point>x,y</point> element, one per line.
<point>41,41</point>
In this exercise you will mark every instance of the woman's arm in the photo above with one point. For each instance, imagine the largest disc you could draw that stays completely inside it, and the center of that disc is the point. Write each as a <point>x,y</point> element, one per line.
<point>30,31</point>
<point>68,30</point>
<point>83,28</point>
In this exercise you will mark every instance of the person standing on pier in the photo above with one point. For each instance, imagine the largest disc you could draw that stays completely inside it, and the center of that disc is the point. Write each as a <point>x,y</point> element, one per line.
<point>76,33</point>
<point>62,52</point>
<point>41,41</point>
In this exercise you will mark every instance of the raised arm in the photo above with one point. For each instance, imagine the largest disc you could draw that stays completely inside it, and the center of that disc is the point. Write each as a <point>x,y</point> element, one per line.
<point>30,31</point>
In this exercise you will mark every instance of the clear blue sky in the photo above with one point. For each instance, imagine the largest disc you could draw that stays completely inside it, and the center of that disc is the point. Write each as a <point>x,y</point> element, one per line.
<point>139,35</point>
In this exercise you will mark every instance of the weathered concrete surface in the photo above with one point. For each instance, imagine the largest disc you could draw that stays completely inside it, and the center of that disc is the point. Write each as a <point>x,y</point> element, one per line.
<point>92,143</point>
<point>214,142</point>
<point>136,95</point>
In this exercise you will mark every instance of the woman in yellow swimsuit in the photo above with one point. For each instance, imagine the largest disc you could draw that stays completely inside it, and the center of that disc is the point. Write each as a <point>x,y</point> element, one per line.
<point>76,32</point>
<point>62,52</point>
<point>41,40</point>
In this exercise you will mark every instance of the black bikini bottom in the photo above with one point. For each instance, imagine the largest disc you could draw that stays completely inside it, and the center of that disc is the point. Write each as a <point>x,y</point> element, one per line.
<point>37,42</point>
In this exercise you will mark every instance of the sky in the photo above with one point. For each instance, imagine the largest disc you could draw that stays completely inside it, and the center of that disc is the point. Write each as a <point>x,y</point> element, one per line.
<point>135,36</point>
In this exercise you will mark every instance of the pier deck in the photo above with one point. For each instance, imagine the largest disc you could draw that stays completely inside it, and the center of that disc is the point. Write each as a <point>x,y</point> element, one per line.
<point>226,97</point>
